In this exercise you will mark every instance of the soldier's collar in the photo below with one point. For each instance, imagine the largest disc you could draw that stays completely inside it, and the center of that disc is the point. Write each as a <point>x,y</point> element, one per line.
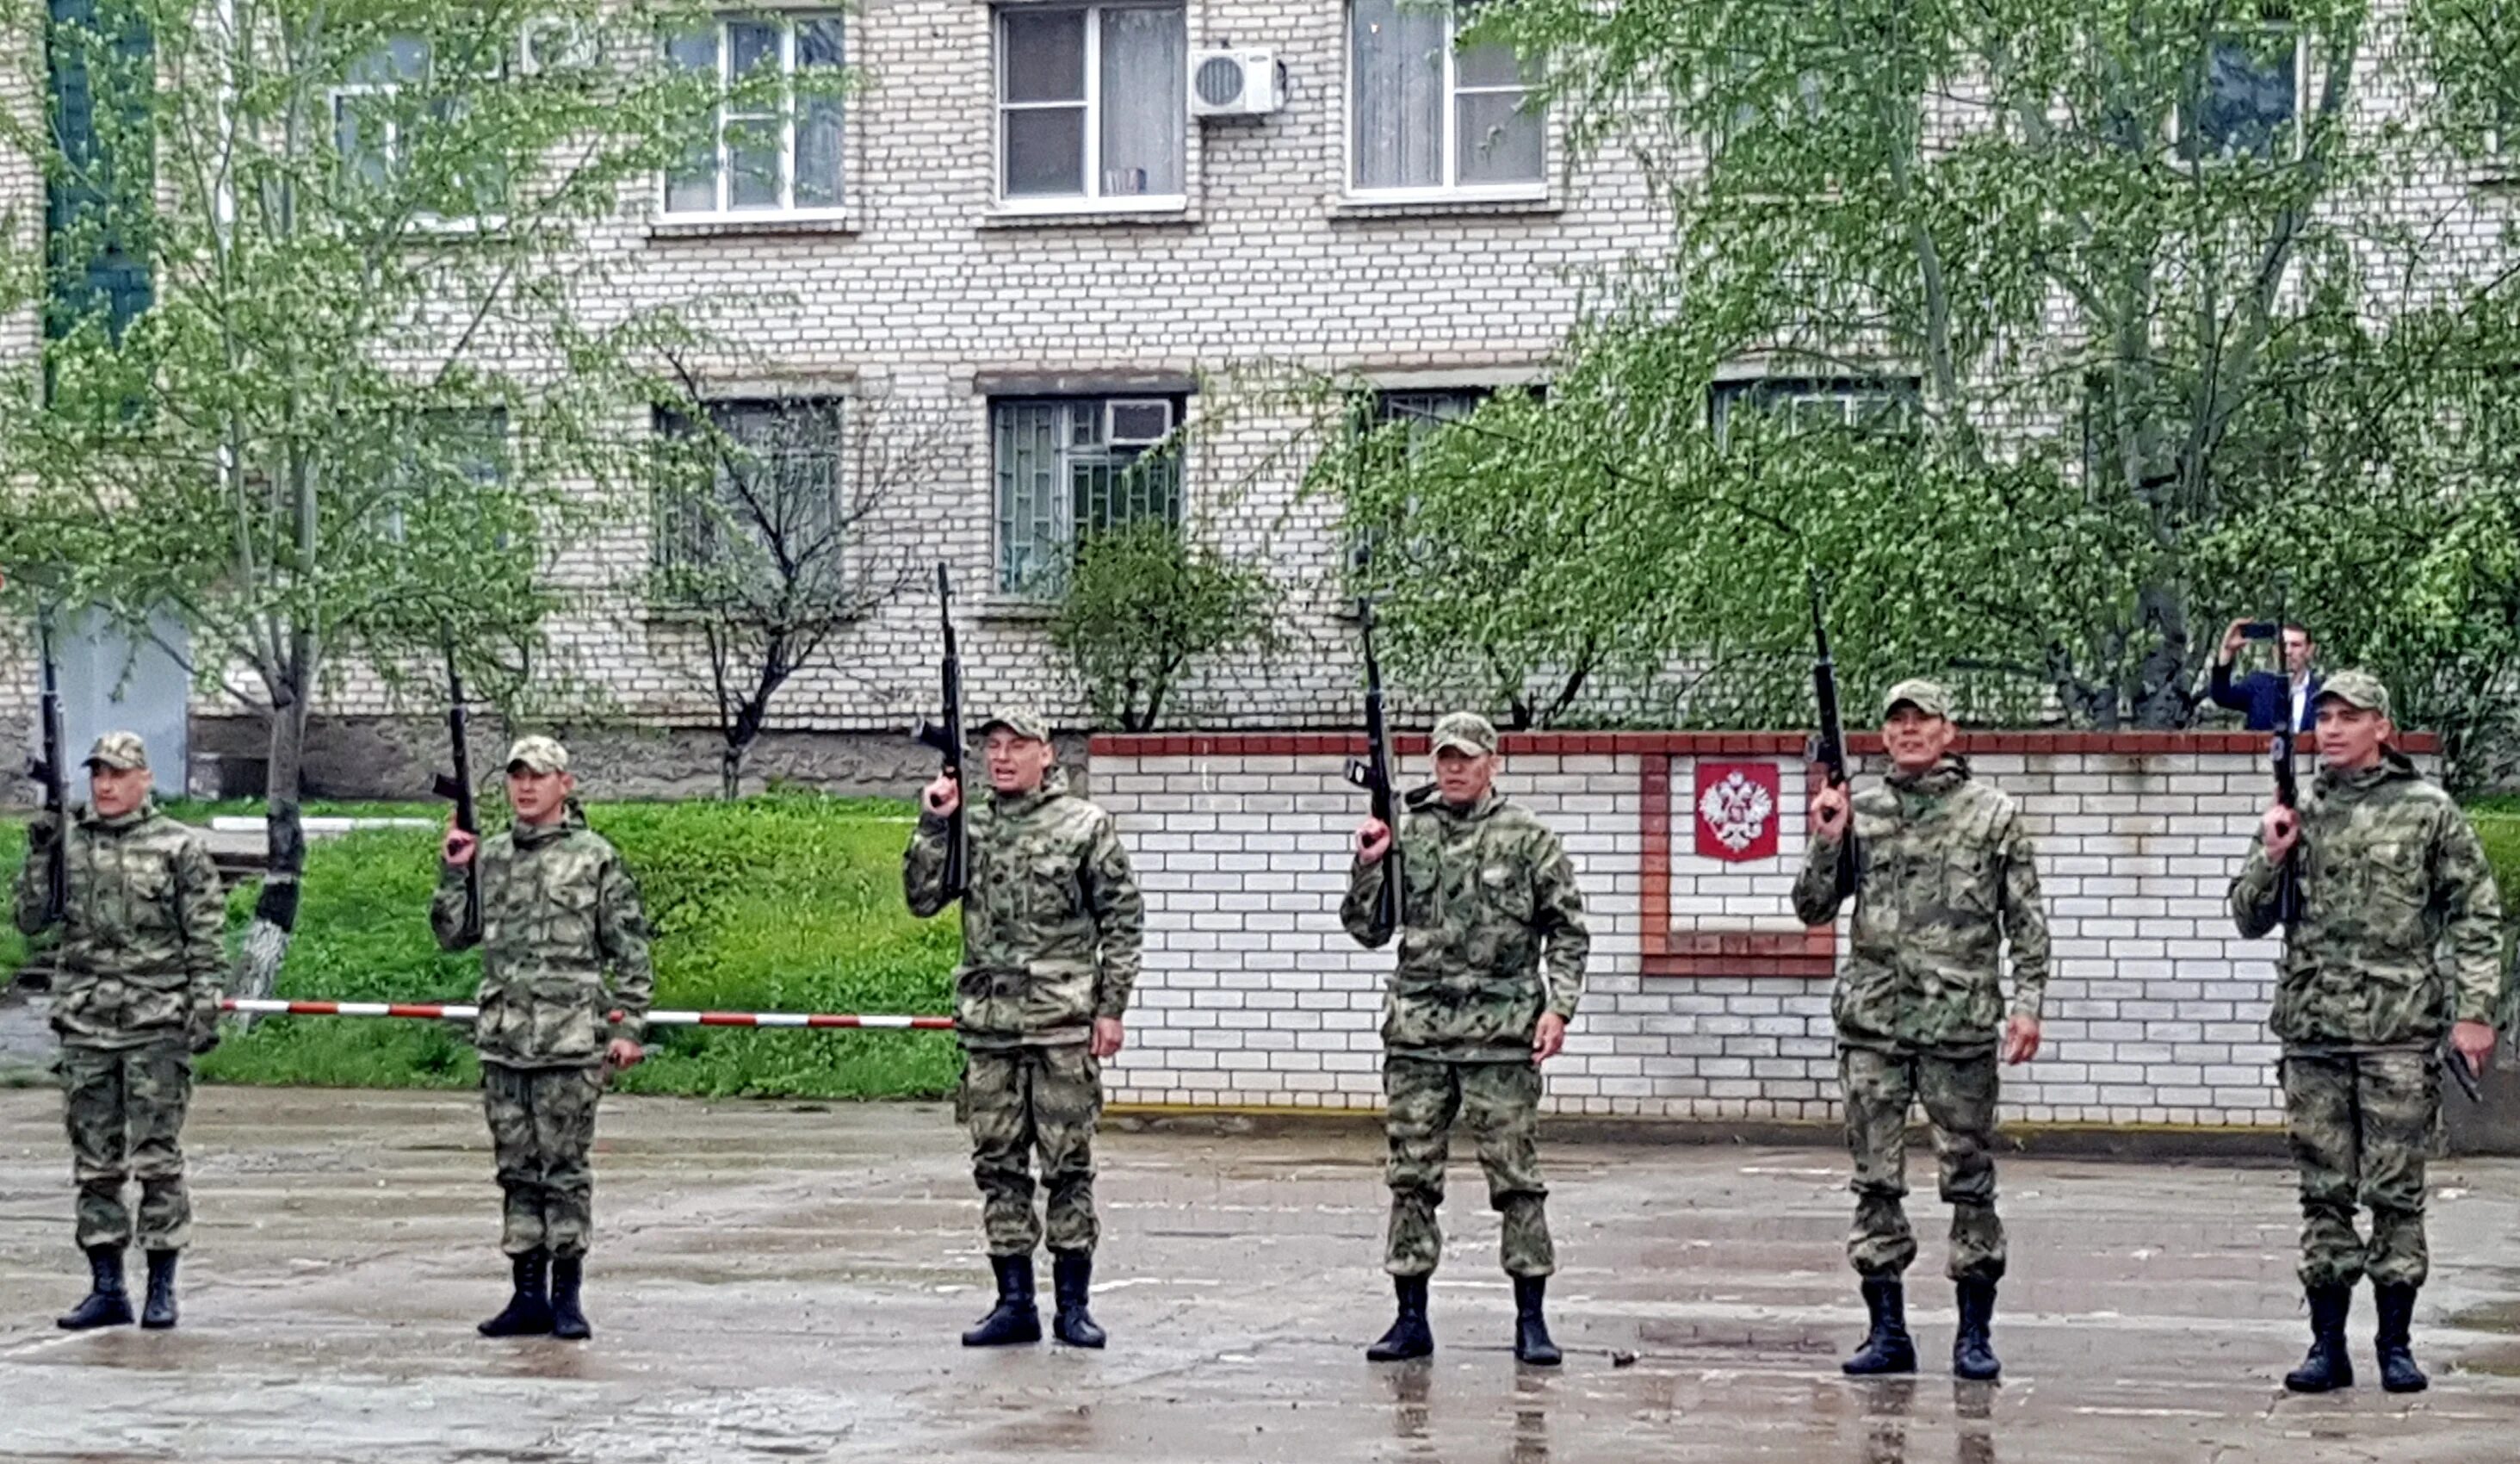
<point>1943,776</point>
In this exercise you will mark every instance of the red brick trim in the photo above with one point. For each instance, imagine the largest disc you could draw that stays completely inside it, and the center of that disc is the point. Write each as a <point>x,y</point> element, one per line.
<point>1704,952</point>
<point>2034,744</point>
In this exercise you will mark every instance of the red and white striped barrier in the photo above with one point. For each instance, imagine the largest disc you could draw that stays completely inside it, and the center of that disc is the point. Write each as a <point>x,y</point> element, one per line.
<point>249,1006</point>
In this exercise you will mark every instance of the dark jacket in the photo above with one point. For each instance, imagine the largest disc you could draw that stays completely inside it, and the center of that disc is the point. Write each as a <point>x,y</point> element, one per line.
<point>2264,696</point>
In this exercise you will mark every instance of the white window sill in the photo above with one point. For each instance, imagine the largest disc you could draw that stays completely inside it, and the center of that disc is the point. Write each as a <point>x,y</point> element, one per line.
<point>1441,201</point>
<point>439,226</point>
<point>765,221</point>
<point>1035,213</point>
<point>1007,607</point>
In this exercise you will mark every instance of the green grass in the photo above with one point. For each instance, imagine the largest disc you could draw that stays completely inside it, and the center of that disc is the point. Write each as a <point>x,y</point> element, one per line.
<point>13,852</point>
<point>787,902</point>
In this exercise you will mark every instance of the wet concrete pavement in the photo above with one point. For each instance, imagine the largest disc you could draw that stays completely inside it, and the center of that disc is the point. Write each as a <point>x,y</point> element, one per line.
<point>784,1282</point>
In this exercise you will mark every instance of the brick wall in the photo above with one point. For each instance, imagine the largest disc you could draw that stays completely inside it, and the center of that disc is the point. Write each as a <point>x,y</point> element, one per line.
<point>1706,1000</point>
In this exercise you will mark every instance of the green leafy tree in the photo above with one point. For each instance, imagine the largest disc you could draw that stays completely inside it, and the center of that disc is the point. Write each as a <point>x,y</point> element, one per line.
<point>1142,605</point>
<point>330,366</point>
<point>2074,327</point>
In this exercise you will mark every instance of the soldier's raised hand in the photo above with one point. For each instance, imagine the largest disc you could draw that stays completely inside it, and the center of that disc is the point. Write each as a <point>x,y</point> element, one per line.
<point>459,848</point>
<point>2279,829</point>
<point>1372,840</point>
<point>1828,809</point>
<point>943,796</point>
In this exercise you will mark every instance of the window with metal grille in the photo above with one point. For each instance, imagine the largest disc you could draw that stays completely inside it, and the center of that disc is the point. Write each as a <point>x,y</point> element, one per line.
<point>773,512</point>
<point>1067,466</point>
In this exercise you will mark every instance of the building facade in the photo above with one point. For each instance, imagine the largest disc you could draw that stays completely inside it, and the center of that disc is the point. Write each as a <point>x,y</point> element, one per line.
<point>1050,234</point>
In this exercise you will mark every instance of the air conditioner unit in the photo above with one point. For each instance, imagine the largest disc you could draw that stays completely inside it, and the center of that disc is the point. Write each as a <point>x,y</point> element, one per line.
<point>554,44</point>
<point>1138,423</point>
<point>1235,83</point>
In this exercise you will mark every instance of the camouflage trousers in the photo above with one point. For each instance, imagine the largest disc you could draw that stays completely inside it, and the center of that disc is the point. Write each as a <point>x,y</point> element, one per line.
<point>1501,1103</point>
<point>1019,1099</point>
<point>2362,1128</point>
<point>126,1114</point>
<point>542,1129</point>
<point>1959,1098</point>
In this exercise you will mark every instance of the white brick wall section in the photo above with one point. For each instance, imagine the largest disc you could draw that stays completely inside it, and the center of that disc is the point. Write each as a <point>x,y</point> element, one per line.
<point>2156,1009</point>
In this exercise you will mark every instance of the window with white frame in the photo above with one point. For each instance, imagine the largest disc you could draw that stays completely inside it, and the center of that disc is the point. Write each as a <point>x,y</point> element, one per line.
<point>771,149</point>
<point>1092,105</point>
<point>2249,94</point>
<point>1427,115</point>
<point>1067,466</point>
<point>1864,405</point>
<point>382,111</point>
<point>769,516</point>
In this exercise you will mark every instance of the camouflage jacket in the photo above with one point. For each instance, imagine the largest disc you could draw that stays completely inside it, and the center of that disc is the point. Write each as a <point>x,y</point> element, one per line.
<point>1491,930</point>
<point>558,907</point>
<point>141,950</point>
<point>1051,923</point>
<point>2401,928</point>
<point>1948,877</point>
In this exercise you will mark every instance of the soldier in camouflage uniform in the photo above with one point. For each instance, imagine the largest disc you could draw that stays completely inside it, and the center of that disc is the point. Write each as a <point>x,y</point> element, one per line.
<point>2400,933</point>
<point>1051,928</point>
<point>558,908</point>
<point>1492,948</point>
<point>135,1000</point>
<point>1943,875</point>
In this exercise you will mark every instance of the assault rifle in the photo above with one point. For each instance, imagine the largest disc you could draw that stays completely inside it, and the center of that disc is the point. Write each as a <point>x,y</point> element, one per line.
<point>1828,742</point>
<point>2288,907</point>
<point>53,771</point>
<point>456,788</point>
<point>946,737</point>
<point>1373,771</point>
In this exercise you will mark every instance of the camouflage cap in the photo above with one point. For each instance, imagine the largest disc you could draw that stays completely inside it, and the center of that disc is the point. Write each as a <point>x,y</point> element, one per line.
<point>1023,721</point>
<point>120,751</point>
<point>541,755</point>
<point>1465,732</point>
<point>1931,698</point>
<point>2357,689</point>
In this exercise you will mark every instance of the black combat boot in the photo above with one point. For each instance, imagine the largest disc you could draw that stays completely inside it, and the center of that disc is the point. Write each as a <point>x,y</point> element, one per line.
<point>2328,1367</point>
<point>1531,1342</point>
<point>1972,1348</point>
<point>2398,1370</point>
<point>528,1312</point>
<point>159,1312</point>
<point>1072,1274</point>
<point>106,1304</point>
<point>1887,1348</point>
<point>1015,1318</point>
<point>1408,1336</point>
<point>569,1320</point>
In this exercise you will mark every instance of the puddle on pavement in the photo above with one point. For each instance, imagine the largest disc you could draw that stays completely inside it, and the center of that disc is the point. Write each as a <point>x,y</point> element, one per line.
<point>2492,1317</point>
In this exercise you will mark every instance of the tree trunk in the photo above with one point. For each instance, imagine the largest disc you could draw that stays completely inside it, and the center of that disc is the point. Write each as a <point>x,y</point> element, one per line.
<point>730,771</point>
<point>275,910</point>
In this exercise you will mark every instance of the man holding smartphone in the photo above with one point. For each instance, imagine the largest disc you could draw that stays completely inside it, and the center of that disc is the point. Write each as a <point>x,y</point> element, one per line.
<point>2268,698</point>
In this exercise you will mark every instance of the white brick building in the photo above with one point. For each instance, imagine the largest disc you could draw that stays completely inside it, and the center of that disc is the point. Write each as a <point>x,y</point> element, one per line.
<point>1018,224</point>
